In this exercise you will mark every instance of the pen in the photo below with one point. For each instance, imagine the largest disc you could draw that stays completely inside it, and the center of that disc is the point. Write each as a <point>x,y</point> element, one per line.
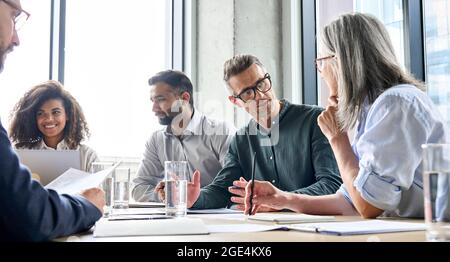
<point>253,183</point>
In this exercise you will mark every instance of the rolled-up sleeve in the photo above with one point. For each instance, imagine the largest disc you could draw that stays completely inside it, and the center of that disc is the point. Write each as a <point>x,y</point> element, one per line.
<point>389,152</point>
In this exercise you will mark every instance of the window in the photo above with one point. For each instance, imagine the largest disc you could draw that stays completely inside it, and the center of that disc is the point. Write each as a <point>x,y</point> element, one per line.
<point>391,13</point>
<point>388,11</point>
<point>437,47</point>
<point>112,48</point>
<point>28,65</point>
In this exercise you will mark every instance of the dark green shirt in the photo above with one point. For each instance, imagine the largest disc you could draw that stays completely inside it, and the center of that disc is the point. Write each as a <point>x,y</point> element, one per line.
<point>295,156</point>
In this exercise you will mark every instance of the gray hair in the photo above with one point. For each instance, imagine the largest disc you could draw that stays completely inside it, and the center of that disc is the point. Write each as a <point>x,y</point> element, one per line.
<point>238,64</point>
<point>366,64</point>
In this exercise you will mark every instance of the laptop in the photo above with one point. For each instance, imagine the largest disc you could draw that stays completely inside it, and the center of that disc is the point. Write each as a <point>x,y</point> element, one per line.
<point>49,164</point>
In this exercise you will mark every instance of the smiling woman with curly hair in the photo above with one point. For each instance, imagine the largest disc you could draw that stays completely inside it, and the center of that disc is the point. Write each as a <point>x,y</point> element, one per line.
<point>49,117</point>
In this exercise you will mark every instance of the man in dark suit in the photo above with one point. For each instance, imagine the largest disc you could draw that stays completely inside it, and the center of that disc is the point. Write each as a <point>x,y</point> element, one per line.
<point>29,212</point>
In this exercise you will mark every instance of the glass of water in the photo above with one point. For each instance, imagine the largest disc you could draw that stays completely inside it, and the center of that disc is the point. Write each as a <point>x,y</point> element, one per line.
<point>176,178</point>
<point>107,184</point>
<point>121,178</point>
<point>436,183</point>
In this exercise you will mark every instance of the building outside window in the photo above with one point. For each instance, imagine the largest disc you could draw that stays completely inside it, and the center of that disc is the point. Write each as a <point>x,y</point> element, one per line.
<point>437,50</point>
<point>390,12</point>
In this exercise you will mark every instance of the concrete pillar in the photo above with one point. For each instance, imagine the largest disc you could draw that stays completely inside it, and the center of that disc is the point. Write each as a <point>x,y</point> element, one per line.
<point>225,28</point>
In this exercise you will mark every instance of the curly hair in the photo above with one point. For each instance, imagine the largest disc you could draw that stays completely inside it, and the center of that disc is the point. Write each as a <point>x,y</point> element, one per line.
<point>24,132</point>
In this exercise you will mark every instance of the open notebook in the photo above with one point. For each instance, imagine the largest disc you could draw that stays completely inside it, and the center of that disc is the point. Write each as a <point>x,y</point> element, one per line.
<point>290,218</point>
<point>359,227</point>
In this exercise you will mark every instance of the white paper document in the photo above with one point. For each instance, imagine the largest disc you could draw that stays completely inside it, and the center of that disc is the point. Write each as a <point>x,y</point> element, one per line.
<point>290,218</point>
<point>236,217</point>
<point>138,217</point>
<point>214,211</point>
<point>74,181</point>
<point>154,211</point>
<point>240,228</point>
<point>359,227</point>
<point>153,227</point>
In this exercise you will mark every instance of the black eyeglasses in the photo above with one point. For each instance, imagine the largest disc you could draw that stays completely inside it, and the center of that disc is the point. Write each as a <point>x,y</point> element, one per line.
<point>21,17</point>
<point>250,92</point>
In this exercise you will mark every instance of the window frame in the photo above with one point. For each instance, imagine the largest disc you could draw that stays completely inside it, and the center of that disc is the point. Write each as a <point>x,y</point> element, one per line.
<point>309,52</point>
<point>414,37</point>
<point>414,45</point>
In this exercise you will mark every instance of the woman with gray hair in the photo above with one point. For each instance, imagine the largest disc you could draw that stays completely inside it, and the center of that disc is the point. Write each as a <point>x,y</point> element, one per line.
<point>393,117</point>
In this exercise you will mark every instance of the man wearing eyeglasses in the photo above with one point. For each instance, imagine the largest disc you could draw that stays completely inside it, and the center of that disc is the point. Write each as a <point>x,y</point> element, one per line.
<point>291,151</point>
<point>29,212</point>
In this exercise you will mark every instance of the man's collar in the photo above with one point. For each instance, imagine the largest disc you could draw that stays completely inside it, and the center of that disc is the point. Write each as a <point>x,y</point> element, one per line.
<point>285,104</point>
<point>194,126</point>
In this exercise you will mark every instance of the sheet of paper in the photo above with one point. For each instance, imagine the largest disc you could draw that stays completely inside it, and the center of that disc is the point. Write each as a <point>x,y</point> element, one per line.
<point>74,181</point>
<point>241,228</point>
<point>138,217</point>
<point>235,217</point>
<point>214,211</point>
<point>359,227</point>
<point>153,211</point>
<point>154,227</point>
<point>290,218</point>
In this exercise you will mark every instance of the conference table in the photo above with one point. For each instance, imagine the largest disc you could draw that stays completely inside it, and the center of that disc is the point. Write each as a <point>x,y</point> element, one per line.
<point>266,236</point>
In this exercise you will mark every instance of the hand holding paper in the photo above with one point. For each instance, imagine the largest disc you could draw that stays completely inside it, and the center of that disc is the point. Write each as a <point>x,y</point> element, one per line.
<point>74,181</point>
<point>96,196</point>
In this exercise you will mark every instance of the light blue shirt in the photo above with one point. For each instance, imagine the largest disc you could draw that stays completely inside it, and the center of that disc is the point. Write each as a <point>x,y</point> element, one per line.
<point>388,142</point>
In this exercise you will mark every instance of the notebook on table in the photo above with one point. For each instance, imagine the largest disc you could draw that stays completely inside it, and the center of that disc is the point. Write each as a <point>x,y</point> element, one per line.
<point>150,227</point>
<point>290,218</point>
<point>359,227</point>
<point>213,211</point>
